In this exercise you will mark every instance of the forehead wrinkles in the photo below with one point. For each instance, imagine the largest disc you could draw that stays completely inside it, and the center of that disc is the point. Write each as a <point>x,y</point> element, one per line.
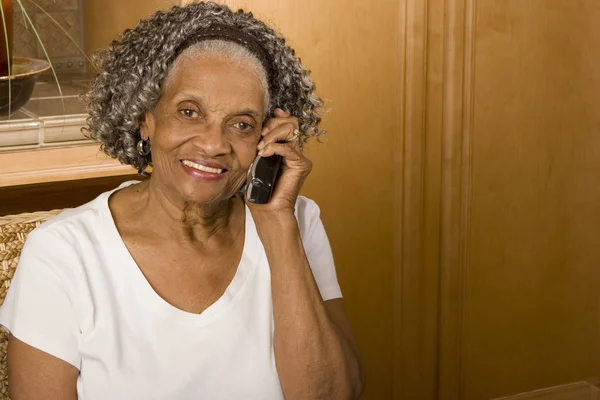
<point>217,86</point>
<point>225,51</point>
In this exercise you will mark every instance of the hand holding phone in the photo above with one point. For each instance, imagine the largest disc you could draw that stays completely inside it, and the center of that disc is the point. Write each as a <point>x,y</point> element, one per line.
<point>280,163</point>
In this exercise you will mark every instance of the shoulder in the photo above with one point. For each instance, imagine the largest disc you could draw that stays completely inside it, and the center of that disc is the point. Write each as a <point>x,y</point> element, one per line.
<point>72,231</point>
<point>55,252</point>
<point>79,223</point>
<point>70,225</point>
<point>308,215</point>
<point>306,209</point>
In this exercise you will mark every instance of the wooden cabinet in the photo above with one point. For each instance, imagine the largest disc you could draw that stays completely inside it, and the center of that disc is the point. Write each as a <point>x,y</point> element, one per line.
<point>500,203</point>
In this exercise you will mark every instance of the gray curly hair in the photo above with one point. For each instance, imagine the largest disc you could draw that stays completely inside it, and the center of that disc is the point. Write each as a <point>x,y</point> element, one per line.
<point>133,69</point>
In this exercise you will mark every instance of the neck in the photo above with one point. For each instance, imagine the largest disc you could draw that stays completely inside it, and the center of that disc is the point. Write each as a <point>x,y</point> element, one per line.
<point>185,220</point>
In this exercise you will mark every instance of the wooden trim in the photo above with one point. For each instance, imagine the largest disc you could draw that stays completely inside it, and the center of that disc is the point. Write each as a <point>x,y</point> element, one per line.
<point>58,164</point>
<point>458,121</point>
<point>415,302</point>
<point>433,180</point>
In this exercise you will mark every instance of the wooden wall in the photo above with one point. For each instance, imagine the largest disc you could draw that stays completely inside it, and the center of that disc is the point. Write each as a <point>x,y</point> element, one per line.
<point>500,202</point>
<point>105,20</point>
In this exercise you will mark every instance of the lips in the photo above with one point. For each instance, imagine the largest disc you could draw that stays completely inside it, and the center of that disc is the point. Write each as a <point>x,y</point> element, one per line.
<point>211,168</point>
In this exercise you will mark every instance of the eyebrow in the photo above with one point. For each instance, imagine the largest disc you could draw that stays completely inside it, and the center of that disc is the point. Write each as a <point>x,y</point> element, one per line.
<point>184,96</point>
<point>249,111</point>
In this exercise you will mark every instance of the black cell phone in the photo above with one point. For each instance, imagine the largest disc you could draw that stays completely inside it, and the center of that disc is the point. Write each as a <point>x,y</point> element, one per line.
<point>262,175</point>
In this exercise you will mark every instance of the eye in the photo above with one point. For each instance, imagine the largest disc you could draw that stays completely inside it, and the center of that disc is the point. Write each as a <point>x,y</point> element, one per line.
<point>243,126</point>
<point>189,113</point>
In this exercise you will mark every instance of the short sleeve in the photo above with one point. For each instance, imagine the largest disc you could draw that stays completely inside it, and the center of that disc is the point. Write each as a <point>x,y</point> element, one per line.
<point>317,248</point>
<point>38,309</point>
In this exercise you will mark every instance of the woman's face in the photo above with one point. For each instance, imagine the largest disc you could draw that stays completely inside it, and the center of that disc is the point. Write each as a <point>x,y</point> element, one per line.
<point>205,128</point>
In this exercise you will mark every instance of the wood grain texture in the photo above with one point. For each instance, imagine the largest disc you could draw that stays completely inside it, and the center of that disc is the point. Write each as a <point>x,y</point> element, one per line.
<point>106,20</point>
<point>417,177</point>
<point>58,164</point>
<point>456,186</point>
<point>498,202</point>
<point>531,292</point>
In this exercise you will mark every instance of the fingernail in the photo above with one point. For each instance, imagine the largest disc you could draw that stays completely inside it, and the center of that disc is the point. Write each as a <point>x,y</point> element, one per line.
<point>261,144</point>
<point>261,153</point>
<point>264,131</point>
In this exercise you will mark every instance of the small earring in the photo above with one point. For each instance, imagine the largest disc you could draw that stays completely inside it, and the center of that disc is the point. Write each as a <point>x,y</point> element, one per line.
<point>143,147</point>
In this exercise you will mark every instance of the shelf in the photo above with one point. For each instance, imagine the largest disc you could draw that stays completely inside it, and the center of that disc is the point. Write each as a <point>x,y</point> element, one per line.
<point>49,119</point>
<point>58,164</point>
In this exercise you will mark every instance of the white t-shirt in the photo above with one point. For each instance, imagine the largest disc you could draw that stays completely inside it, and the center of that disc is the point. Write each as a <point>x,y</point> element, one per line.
<point>78,295</point>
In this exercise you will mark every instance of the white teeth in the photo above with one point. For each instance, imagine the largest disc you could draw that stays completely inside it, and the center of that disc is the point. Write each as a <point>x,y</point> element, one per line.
<point>202,167</point>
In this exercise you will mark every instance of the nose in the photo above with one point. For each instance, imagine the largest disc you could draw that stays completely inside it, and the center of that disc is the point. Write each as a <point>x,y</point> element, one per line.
<point>212,141</point>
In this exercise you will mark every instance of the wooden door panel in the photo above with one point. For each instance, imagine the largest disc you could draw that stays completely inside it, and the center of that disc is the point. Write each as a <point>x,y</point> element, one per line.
<point>531,305</point>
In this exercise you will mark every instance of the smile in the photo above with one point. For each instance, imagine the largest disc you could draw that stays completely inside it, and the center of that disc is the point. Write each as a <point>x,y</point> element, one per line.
<point>202,168</point>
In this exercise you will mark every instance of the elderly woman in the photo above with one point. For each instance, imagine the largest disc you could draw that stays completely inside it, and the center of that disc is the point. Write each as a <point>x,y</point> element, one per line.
<point>176,287</point>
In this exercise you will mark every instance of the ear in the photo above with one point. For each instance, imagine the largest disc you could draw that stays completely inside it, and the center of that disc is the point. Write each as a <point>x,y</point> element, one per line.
<point>148,126</point>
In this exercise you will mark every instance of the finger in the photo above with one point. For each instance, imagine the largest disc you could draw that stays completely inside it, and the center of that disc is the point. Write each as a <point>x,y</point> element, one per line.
<point>276,121</point>
<point>281,113</point>
<point>281,133</point>
<point>289,153</point>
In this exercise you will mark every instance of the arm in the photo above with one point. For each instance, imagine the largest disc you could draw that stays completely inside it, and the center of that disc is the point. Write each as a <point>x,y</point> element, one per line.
<point>33,374</point>
<point>38,311</point>
<point>315,352</point>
